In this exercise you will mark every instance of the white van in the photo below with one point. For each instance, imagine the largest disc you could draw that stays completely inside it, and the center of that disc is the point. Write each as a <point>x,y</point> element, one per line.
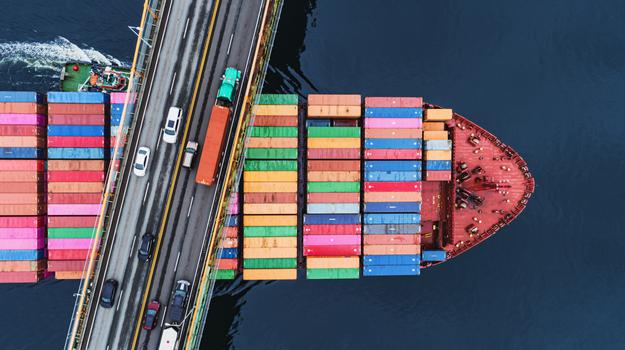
<point>172,124</point>
<point>189,152</point>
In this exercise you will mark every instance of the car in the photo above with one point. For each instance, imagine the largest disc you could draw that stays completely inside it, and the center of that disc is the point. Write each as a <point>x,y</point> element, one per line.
<point>107,298</point>
<point>151,315</point>
<point>145,248</point>
<point>178,301</point>
<point>189,153</point>
<point>172,124</point>
<point>141,161</point>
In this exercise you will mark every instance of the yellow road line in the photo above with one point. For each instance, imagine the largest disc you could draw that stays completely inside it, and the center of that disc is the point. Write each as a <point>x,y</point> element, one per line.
<point>106,194</point>
<point>175,176</point>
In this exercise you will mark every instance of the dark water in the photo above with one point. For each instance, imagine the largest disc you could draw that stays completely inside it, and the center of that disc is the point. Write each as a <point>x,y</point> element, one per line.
<point>547,77</point>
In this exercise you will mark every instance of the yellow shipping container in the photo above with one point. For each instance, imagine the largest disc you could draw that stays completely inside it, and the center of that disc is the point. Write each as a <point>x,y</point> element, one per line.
<point>269,274</point>
<point>333,142</point>
<point>270,208</point>
<point>272,142</point>
<point>433,126</point>
<point>437,155</point>
<point>249,187</point>
<point>270,176</point>
<point>269,242</point>
<point>334,176</point>
<point>269,220</point>
<point>435,135</point>
<point>276,110</point>
<point>347,262</point>
<point>334,111</point>
<point>437,115</point>
<point>266,253</point>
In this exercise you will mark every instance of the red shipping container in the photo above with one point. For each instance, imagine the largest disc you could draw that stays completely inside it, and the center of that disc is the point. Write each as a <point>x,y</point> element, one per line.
<point>392,186</point>
<point>76,141</point>
<point>343,229</point>
<point>60,119</point>
<point>74,198</point>
<point>334,153</point>
<point>412,102</point>
<point>67,254</point>
<point>333,165</point>
<point>22,221</point>
<point>22,187</point>
<point>21,108</point>
<point>21,277</point>
<point>77,176</point>
<point>392,239</point>
<point>66,265</point>
<point>438,175</point>
<point>393,154</point>
<point>22,130</point>
<point>230,232</point>
<point>21,165</point>
<point>328,250</point>
<point>264,120</point>
<point>324,197</point>
<point>75,108</point>
<point>227,264</point>
<point>72,221</point>
<point>270,197</point>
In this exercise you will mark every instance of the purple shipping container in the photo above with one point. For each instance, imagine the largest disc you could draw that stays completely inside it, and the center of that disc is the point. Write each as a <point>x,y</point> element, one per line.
<point>69,243</point>
<point>22,244</point>
<point>393,123</point>
<point>22,119</point>
<point>73,209</point>
<point>316,240</point>
<point>26,232</point>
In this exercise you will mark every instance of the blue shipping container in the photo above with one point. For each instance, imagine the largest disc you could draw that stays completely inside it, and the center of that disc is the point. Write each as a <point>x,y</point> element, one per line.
<point>115,120</point>
<point>393,143</point>
<point>21,153</point>
<point>392,165</point>
<point>393,176</point>
<point>232,221</point>
<point>438,165</point>
<point>391,229</point>
<point>392,218</point>
<point>331,219</point>
<point>391,270</point>
<point>391,260</point>
<point>393,207</point>
<point>75,153</point>
<point>21,97</point>
<point>393,112</point>
<point>438,145</point>
<point>318,122</point>
<point>75,130</point>
<point>21,255</point>
<point>77,97</point>
<point>229,253</point>
<point>433,255</point>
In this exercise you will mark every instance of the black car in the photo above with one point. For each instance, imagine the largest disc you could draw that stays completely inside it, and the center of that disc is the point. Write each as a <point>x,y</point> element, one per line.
<point>107,299</point>
<point>145,249</point>
<point>178,301</point>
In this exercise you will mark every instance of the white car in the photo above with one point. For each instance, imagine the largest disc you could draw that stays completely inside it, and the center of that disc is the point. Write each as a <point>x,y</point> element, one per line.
<point>141,161</point>
<point>170,134</point>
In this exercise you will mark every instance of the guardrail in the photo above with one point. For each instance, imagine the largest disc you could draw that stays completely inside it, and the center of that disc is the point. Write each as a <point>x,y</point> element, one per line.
<point>148,30</point>
<point>269,24</point>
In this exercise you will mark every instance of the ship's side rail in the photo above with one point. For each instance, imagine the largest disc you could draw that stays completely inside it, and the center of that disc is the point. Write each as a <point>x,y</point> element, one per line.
<point>148,31</point>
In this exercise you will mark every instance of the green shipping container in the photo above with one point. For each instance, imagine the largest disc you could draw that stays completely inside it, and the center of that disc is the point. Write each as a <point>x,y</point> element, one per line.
<point>270,165</point>
<point>65,232</point>
<point>273,131</point>
<point>333,186</point>
<point>224,274</point>
<point>273,263</point>
<point>278,99</point>
<point>318,131</point>
<point>270,231</point>
<point>317,274</point>
<point>271,153</point>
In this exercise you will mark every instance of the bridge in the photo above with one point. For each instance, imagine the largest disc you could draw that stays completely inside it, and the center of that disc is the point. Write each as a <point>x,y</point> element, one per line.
<point>182,49</point>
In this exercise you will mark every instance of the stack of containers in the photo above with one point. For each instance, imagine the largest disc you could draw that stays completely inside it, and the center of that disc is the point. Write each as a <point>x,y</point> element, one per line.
<point>229,263</point>
<point>77,150</point>
<point>22,187</point>
<point>117,109</point>
<point>270,191</point>
<point>332,225</point>
<point>392,189</point>
<point>438,145</point>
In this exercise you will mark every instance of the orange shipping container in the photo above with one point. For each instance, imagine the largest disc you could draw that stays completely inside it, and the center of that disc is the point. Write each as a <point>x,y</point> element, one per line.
<point>351,112</point>
<point>20,176</point>
<point>270,176</point>
<point>269,220</point>
<point>386,133</point>
<point>270,197</point>
<point>437,115</point>
<point>21,108</point>
<point>435,135</point>
<point>333,165</point>
<point>433,126</point>
<point>68,275</point>
<point>269,242</point>
<point>75,187</point>
<point>21,165</point>
<point>339,142</point>
<point>270,208</point>
<point>22,198</point>
<point>265,253</point>
<point>21,187</point>
<point>392,197</point>
<point>334,176</point>
<point>269,274</point>
<point>272,142</point>
<point>348,262</point>
<point>269,187</point>
<point>392,249</point>
<point>22,266</point>
<point>213,145</point>
<point>276,110</point>
<point>22,209</point>
<point>437,155</point>
<point>334,100</point>
<point>83,165</point>
<point>22,141</point>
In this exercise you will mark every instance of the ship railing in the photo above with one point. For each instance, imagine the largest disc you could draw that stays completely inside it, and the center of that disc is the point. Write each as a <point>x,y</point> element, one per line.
<point>148,31</point>
<point>269,24</point>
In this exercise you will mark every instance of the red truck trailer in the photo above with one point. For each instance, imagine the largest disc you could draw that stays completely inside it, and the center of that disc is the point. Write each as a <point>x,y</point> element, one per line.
<point>213,145</point>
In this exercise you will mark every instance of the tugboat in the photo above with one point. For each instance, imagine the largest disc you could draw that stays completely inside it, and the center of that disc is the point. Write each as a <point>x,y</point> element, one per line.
<point>83,76</point>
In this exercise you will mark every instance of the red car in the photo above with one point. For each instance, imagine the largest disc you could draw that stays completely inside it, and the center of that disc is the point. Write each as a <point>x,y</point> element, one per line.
<point>151,315</point>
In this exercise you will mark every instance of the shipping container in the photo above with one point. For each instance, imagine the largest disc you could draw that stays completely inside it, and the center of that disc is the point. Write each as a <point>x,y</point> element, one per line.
<point>273,131</point>
<point>68,275</point>
<point>333,132</point>
<point>275,110</point>
<point>23,243</point>
<point>269,220</point>
<point>75,130</point>
<point>334,153</point>
<point>71,232</point>
<point>333,186</point>
<point>382,260</point>
<point>22,266</point>
<point>392,249</point>
<point>392,207</point>
<point>121,97</point>
<point>336,219</point>
<point>437,145</point>
<point>224,274</point>
<point>22,187</point>
<point>333,165</point>
<point>213,146</point>
<point>437,155</point>
<point>21,255</point>
<point>270,165</point>
<point>22,165</point>
<point>230,232</point>
<point>437,115</point>
<point>319,240</point>
<point>81,165</point>
<point>270,187</point>
<point>229,253</point>
<point>75,108</point>
<point>229,242</point>
<point>332,250</point>
<point>392,186</point>
<point>270,208</point>
<point>278,99</point>
<point>434,255</point>
<point>393,154</point>
<point>72,221</point>
<point>227,264</point>
<point>414,102</point>
<point>22,141</point>
<point>393,143</point>
<point>346,229</point>
<point>438,175</point>
<point>22,108</point>
<point>333,143</point>
<point>386,165</point>
<point>283,252</point>
<point>78,176</point>
<point>333,208</point>
<point>393,133</point>
<point>68,254</point>
<point>232,220</point>
<point>21,153</point>
<point>435,135</point>
<point>393,123</point>
<point>21,277</point>
<point>391,229</point>
<point>22,198</point>
<point>318,122</point>
<point>270,231</point>
<point>333,197</point>
<point>77,141</point>
<point>71,243</point>
<point>270,263</point>
<point>343,262</point>
<point>433,126</point>
<point>391,239</point>
<point>22,209</point>
<point>270,176</point>
<point>66,265</point>
<point>22,221</point>
<point>437,165</point>
<point>21,96</point>
<point>74,209</point>
<point>75,187</point>
<point>392,218</point>
<point>315,111</point>
<point>391,270</point>
<point>371,197</point>
<point>269,242</point>
<point>76,153</point>
<point>334,176</point>
<point>332,273</point>
<point>22,119</point>
<point>22,130</point>
<point>267,120</point>
<point>77,97</point>
<point>345,122</point>
<point>393,112</point>
<point>21,176</point>
<point>392,176</point>
<point>270,197</point>
<point>271,153</point>
<point>334,99</point>
<point>272,142</point>
<point>269,274</point>
<point>76,119</point>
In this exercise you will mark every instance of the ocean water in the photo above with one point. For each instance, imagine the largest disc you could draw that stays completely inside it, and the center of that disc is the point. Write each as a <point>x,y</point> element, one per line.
<point>547,77</point>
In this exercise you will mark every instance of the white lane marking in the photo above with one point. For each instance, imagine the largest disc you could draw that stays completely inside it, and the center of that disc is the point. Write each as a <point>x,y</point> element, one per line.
<point>147,189</point>
<point>186,26</point>
<point>173,81</point>
<point>119,301</point>
<point>190,206</point>
<point>230,44</point>
<point>160,136</point>
<point>163,315</point>
<point>177,260</point>
<point>132,246</point>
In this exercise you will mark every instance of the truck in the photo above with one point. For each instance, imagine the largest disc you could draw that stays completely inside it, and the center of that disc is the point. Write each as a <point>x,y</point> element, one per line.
<point>169,337</point>
<point>179,301</point>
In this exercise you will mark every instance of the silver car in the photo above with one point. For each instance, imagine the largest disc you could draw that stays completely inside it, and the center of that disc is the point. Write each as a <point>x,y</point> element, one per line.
<point>141,161</point>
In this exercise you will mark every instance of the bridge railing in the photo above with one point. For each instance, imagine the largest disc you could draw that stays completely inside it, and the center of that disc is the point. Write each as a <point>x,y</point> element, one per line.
<point>148,30</point>
<point>269,24</point>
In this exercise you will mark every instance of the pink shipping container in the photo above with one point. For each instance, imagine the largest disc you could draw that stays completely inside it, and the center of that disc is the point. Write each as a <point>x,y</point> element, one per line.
<point>334,153</point>
<point>72,221</point>
<point>77,176</point>
<point>324,197</point>
<point>120,97</point>
<point>76,141</point>
<point>74,198</point>
<point>66,265</point>
<point>68,254</point>
<point>414,102</point>
<point>22,119</point>
<point>392,186</point>
<point>332,250</point>
<point>344,229</point>
<point>21,165</point>
<point>331,240</point>
<point>69,243</point>
<point>393,123</point>
<point>22,243</point>
<point>21,232</point>
<point>393,154</point>
<point>74,209</point>
<point>22,187</point>
<point>392,239</point>
<point>21,277</point>
<point>438,175</point>
<point>22,221</point>
<point>233,208</point>
<point>59,119</point>
<point>22,130</point>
